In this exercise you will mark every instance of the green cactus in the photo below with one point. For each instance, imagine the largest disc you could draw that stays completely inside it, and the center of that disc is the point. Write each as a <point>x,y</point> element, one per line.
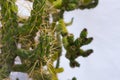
<point>35,55</point>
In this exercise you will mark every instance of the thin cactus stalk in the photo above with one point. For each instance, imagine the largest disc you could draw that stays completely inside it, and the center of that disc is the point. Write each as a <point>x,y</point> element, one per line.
<point>36,52</point>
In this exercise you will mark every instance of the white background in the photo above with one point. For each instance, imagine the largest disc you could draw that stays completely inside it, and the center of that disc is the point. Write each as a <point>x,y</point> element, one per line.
<point>103,23</point>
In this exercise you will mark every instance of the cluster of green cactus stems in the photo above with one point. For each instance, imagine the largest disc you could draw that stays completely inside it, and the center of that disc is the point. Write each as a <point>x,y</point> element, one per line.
<point>37,57</point>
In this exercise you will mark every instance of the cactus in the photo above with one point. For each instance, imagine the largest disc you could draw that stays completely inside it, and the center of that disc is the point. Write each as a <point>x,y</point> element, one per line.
<point>35,55</point>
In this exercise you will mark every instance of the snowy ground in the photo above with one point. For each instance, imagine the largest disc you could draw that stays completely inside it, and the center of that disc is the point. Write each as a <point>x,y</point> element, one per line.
<point>103,23</point>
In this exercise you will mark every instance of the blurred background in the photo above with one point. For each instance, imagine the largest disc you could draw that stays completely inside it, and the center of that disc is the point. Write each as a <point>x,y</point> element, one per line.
<point>103,23</point>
